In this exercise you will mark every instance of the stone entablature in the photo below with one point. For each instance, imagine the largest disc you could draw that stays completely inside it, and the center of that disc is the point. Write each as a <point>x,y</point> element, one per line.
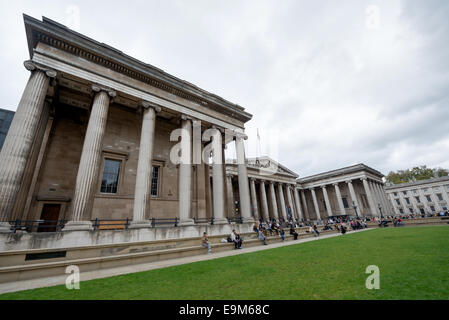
<point>59,37</point>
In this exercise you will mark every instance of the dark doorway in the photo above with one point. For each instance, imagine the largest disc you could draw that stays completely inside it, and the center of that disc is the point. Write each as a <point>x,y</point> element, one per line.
<point>50,215</point>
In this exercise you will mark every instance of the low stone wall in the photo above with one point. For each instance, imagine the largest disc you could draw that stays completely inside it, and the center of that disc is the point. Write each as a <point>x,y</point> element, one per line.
<point>67,239</point>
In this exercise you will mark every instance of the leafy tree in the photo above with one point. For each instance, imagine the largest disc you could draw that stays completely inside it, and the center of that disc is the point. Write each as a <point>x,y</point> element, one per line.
<point>416,173</point>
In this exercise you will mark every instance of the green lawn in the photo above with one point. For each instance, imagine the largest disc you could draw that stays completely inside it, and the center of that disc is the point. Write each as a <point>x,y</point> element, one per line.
<point>413,263</point>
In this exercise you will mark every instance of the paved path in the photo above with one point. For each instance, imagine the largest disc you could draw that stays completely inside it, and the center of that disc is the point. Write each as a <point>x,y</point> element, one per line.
<point>104,273</point>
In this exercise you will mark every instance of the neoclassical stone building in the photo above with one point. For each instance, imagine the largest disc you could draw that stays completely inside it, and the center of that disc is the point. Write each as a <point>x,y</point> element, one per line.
<point>93,133</point>
<point>101,135</point>
<point>420,197</point>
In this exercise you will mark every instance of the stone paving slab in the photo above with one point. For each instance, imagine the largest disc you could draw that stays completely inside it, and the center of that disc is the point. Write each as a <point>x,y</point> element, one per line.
<point>104,273</point>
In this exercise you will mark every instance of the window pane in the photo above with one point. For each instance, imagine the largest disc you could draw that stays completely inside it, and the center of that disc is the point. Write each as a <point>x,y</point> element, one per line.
<point>111,173</point>
<point>155,181</point>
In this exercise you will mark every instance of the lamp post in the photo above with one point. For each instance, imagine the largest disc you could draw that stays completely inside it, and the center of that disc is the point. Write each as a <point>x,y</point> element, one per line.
<point>355,209</point>
<point>380,209</point>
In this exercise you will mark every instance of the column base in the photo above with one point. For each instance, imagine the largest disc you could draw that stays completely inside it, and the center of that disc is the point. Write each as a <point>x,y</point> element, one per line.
<point>248,220</point>
<point>78,226</point>
<point>5,227</point>
<point>220,221</point>
<point>139,224</point>
<point>186,222</point>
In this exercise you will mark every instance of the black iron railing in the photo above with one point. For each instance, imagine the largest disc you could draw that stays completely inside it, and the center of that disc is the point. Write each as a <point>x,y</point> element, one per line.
<point>235,220</point>
<point>164,221</point>
<point>204,220</point>
<point>110,224</point>
<point>37,225</point>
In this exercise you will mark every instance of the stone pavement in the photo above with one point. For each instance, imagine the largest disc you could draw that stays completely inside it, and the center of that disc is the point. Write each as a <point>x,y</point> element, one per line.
<point>104,273</point>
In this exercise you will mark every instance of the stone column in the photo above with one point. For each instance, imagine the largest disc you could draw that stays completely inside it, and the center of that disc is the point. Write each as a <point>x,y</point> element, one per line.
<point>326,200</point>
<point>274,206</point>
<point>142,193</point>
<point>339,199</point>
<point>87,177</point>
<point>282,201</point>
<point>369,196</point>
<point>304,202</point>
<point>376,198</point>
<point>185,174</point>
<point>18,143</point>
<point>290,202</point>
<point>395,208</point>
<point>315,204</point>
<point>298,205</point>
<point>263,198</point>
<point>384,201</point>
<point>218,183</point>
<point>254,199</point>
<point>354,198</point>
<point>230,191</point>
<point>434,198</point>
<point>209,207</point>
<point>245,204</point>
<point>445,196</point>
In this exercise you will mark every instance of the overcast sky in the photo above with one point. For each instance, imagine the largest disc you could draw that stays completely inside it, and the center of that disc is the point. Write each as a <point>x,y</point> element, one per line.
<point>329,83</point>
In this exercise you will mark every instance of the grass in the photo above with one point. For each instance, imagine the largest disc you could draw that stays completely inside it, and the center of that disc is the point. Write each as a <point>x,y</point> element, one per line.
<point>413,263</point>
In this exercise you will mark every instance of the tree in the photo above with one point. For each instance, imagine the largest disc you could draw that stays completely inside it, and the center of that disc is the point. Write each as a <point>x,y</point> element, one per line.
<point>417,173</point>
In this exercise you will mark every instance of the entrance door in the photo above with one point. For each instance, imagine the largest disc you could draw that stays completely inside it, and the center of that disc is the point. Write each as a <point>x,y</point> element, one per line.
<point>50,215</point>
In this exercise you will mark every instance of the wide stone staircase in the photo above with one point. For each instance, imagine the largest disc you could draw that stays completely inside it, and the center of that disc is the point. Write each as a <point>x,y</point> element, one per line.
<point>31,264</point>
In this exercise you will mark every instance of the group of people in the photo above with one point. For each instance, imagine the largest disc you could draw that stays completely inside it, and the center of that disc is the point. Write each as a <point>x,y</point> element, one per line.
<point>233,237</point>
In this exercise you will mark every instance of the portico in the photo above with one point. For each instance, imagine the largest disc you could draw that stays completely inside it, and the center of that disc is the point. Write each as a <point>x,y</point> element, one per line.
<point>125,140</point>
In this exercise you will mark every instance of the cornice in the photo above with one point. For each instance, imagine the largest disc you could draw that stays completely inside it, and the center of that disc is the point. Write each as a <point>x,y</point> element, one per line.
<point>59,36</point>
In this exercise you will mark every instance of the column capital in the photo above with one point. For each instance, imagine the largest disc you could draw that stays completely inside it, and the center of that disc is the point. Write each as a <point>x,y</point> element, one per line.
<point>364,179</point>
<point>323,187</point>
<point>335,184</point>
<point>229,175</point>
<point>239,135</point>
<point>148,104</point>
<point>98,88</point>
<point>348,181</point>
<point>33,66</point>
<point>252,179</point>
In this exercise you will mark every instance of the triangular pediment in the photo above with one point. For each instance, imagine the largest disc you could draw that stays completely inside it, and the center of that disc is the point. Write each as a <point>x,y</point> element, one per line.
<point>267,164</point>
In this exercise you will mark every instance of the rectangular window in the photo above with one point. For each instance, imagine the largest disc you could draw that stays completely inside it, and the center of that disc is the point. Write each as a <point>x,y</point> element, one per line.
<point>407,200</point>
<point>401,211</point>
<point>418,199</point>
<point>440,197</point>
<point>398,202</point>
<point>421,210</point>
<point>432,208</point>
<point>155,181</point>
<point>111,172</point>
<point>404,192</point>
<point>429,199</point>
<point>345,202</point>
<point>411,210</point>
<point>395,194</point>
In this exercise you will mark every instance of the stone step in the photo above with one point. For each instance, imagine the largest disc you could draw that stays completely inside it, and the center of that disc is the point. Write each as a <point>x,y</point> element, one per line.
<point>57,266</point>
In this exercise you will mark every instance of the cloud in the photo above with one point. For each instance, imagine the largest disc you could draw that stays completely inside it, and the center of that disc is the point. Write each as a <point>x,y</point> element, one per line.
<point>325,90</point>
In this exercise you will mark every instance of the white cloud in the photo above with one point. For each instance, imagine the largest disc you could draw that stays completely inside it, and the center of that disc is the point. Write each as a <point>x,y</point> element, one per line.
<point>334,91</point>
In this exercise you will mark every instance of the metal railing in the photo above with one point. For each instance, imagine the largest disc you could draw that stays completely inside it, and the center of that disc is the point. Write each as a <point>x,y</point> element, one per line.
<point>37,225</point>
<point>164,221</point>
<point>235,220</point>
<point>204,220</point>
<point>110,224</point>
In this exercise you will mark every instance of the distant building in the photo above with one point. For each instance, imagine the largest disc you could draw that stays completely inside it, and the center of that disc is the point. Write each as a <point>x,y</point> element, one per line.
<point>420,197</point>
<point>5,122</point>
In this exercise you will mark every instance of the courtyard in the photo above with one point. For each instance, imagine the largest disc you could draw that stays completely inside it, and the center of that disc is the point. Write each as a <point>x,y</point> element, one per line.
<point>412,262</point>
